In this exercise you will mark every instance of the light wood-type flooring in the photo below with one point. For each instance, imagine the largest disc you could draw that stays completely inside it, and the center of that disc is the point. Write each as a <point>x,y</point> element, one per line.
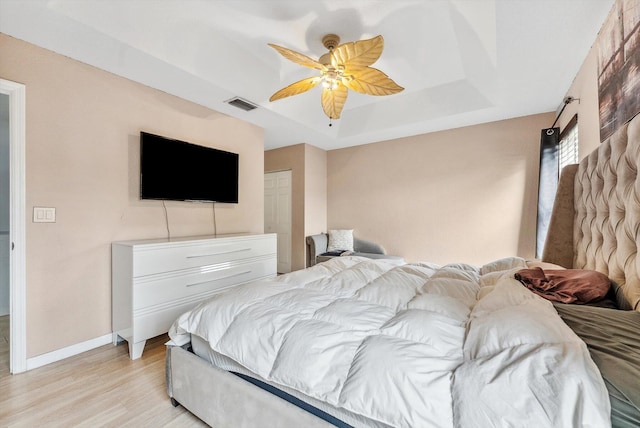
<point>4,346</point>
<point>99,388</point>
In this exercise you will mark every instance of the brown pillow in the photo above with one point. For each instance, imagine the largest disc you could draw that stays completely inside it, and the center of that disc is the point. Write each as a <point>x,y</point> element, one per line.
<point>566,285</point>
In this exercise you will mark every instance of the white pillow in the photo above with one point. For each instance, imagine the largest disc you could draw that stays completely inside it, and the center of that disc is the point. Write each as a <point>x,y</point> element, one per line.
<point>507,263</point>
<point>340,240</point>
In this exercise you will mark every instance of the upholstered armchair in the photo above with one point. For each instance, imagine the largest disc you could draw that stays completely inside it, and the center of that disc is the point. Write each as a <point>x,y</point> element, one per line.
<point>317,249</point>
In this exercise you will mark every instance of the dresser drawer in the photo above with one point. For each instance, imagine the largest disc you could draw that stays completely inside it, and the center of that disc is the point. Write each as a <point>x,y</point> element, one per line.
<point>196,284</point>
<point>153,260</point>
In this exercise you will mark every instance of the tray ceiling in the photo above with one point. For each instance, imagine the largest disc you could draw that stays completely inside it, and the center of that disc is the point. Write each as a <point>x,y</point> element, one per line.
<point>461,62</point>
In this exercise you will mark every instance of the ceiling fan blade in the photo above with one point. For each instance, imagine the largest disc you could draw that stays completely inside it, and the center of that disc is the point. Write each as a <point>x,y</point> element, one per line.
<point>296,88</point>
<point>372,81</point>
<point>333,101</point>
<point>360,54</point>
<point>297,57</point>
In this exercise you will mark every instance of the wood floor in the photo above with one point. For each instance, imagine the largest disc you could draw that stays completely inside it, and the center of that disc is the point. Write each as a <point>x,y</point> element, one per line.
<point>99,388</point>
<point>4,345</point>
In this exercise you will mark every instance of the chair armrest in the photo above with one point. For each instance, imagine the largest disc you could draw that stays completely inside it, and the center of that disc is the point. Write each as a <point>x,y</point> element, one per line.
<point>316,245</point>
<point>362,246</point>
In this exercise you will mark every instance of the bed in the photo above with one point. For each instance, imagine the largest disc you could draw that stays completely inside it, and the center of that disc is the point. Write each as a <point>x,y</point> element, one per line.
<point>359,342</point>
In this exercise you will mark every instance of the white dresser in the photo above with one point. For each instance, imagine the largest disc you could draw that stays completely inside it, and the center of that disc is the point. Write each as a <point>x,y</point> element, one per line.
<point>155,281</point>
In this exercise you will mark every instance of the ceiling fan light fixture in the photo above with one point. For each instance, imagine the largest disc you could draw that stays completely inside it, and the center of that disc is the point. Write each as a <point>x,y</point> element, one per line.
<point>331,79</point>
<point>329,83</point>
<point>344,67</point>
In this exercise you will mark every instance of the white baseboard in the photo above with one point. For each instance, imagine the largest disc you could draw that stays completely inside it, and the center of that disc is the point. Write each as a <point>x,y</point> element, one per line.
<point>69,351</point>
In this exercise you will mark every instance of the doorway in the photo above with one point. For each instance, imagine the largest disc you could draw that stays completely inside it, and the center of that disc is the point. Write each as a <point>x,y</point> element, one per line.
<point>277,214</point>
<point>12,225</point>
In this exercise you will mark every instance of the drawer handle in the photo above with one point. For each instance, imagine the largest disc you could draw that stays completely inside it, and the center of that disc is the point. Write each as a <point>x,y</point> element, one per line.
<point>218,279</point>
<point>217,254</point>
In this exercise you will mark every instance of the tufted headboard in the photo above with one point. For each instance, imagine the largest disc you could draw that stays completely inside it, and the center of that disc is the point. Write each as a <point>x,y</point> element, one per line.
<point>595,223</point>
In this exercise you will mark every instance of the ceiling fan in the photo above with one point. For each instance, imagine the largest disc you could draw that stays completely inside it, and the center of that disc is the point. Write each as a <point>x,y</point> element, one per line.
<point>344,67</point>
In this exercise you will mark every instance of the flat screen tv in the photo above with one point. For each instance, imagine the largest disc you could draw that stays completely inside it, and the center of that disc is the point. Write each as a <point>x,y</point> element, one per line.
<point>180,171</point>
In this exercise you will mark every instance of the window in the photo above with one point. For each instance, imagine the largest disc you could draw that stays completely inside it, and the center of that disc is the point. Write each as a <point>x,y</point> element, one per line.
<point>568,147</point>
<point>556,152</point>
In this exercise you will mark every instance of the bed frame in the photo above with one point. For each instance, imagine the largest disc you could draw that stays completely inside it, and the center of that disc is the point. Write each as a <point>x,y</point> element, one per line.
<point>222,399</point>
<point>595,225</point>
<point>595,222</point>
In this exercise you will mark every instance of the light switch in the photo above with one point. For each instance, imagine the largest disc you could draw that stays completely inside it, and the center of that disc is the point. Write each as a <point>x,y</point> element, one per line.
<point>44,215</point>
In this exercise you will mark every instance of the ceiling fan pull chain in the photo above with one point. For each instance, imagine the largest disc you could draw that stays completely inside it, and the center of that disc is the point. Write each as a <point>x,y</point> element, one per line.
<point>330,121</point>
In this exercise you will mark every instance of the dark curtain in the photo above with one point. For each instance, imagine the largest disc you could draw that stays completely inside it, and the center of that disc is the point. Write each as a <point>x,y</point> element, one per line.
<point>547,183</point>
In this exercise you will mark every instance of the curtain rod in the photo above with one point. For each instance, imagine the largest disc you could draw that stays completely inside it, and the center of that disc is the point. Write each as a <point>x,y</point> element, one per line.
<point>566,101</point>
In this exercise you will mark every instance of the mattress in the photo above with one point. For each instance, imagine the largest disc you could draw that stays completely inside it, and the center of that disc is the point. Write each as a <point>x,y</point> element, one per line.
<point>202,349</point>
<point>613,339</point>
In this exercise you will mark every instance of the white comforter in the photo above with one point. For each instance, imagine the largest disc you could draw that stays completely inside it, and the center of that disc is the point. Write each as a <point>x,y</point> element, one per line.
<point>410,345</point>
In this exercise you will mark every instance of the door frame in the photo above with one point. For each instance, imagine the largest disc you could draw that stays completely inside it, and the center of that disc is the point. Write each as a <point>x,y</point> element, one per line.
<point>17,220</point>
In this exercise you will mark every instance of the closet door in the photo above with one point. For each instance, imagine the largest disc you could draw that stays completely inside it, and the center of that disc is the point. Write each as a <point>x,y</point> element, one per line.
<point>277,214</point>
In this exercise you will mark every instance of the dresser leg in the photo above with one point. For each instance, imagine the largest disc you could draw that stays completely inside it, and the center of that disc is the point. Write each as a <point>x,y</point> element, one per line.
<point>135,349</point>
<point>116,339</point>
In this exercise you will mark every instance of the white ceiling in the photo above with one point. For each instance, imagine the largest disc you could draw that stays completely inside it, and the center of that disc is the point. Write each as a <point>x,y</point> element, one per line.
<point>461,62</point>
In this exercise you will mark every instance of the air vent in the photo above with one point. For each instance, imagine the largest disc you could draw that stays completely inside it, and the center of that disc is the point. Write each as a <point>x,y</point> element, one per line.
<point>241,104</point>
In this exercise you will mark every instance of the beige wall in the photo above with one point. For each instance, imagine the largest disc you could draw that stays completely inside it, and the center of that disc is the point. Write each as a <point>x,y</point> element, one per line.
<point>308,165</point>
<point>462,195</point>
<point>82,157</point>
<point>315,190</point>
<point>585,88</point>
